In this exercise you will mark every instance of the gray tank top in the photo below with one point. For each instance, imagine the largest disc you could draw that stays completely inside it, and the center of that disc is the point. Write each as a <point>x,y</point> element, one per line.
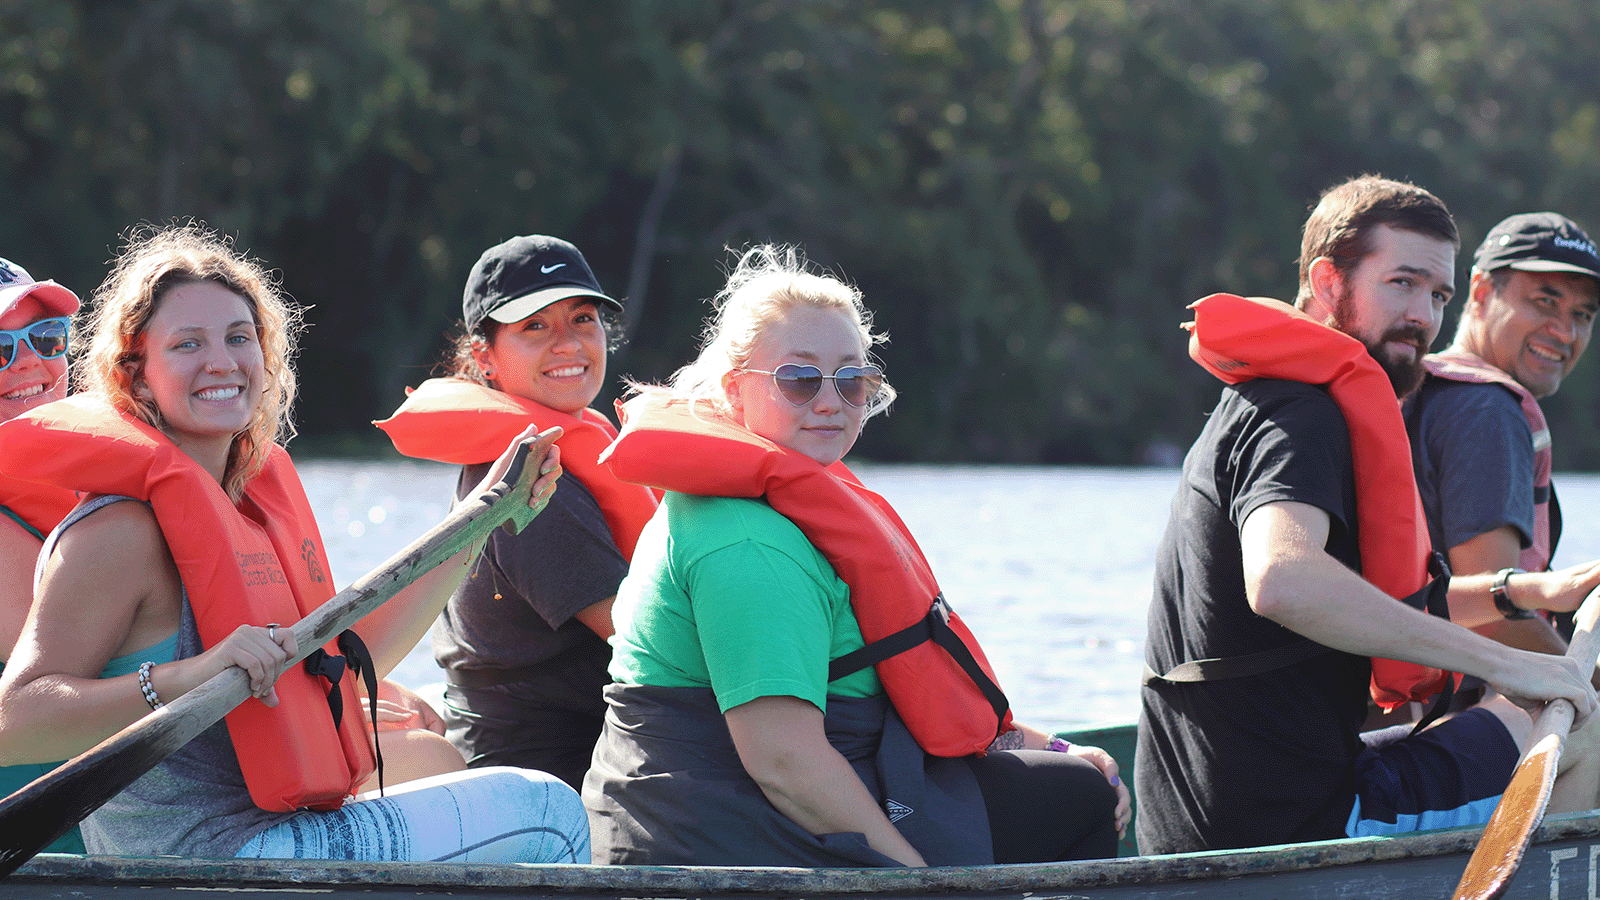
<point>194,803</point>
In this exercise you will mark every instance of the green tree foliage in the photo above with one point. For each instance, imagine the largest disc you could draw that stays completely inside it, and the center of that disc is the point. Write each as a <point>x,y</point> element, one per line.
<point>1028,191</point>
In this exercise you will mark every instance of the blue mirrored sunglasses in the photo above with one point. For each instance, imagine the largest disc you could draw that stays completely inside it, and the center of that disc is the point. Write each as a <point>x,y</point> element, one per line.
<point>47,337</point>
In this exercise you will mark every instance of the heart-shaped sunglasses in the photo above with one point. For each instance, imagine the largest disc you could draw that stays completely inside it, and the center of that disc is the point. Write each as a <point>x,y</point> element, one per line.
<point>857,385</point>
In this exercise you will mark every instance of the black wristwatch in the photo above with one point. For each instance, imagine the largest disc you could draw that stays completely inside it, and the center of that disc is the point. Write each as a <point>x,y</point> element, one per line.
<point>1501,601</point>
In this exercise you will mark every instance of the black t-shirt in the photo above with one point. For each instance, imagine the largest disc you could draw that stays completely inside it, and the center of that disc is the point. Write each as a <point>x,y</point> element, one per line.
<point>516,607</point>
<point>1260,759</point>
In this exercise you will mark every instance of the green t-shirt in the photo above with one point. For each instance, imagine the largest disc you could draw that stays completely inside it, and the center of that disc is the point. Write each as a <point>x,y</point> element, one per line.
<point>728,594</point>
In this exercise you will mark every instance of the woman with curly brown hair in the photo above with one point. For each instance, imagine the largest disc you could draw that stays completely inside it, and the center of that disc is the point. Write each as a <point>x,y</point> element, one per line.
<point>186,392</point>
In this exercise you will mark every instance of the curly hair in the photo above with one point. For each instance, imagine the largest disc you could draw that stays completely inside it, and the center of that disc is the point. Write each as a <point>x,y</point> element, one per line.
<point>768,282</point>
<point>154,260</point>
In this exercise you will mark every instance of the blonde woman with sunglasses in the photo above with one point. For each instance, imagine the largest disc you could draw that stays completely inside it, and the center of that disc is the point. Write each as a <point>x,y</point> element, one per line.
<point>743,728</point>
<point>35,319</point>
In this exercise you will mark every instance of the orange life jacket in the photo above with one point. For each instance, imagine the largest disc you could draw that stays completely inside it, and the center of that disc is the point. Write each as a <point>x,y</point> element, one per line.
<point>258,562</point>
<point>461,422</point>
<point>940,683</point>
<point>39,507</point>
<point>1239,339</point>
<point>1459,365</point>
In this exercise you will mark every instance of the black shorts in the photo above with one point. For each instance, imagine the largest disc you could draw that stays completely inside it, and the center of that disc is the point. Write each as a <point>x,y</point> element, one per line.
<point>1450,775</point>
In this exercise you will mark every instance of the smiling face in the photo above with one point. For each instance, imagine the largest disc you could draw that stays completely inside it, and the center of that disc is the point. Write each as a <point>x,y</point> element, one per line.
<point>555,357</point>
<point>29,380</point>
<point>1533,326</point>
<point>1392,301</point>
<point>203,368</point>
<point>826,427</point>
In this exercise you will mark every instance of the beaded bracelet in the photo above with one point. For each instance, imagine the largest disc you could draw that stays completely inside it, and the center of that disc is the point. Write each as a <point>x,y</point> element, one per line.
<point>148,688</point>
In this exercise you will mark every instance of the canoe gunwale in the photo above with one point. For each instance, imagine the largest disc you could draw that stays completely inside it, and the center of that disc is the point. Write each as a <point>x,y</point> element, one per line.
<point>688,881</point>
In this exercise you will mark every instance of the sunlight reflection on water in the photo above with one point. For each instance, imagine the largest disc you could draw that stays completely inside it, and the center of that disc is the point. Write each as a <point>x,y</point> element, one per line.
<point>1050,567</point>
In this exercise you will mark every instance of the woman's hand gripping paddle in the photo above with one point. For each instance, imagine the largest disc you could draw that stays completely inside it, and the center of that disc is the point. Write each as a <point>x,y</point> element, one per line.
<point>42,811</point>
<point>1521,809</point>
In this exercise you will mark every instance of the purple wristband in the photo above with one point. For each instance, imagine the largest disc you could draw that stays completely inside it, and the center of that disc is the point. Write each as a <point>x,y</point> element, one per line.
<point>1058,744</point>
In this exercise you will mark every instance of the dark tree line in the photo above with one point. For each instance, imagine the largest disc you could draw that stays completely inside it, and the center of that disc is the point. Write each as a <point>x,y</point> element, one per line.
<point>1028,191</point>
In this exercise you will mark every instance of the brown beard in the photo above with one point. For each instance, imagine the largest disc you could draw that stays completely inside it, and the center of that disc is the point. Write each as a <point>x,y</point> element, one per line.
<point>1405,376</point>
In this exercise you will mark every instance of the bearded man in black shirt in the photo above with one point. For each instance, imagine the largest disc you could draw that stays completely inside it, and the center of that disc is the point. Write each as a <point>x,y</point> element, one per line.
<point>1295,528</point>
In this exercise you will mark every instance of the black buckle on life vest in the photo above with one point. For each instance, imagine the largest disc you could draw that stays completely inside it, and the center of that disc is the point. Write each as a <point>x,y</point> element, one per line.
<point>935,626</point>
<point>358,660</point>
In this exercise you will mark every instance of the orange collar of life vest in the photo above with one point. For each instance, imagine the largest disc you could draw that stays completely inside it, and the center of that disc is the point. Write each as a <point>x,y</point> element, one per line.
<point>461,422</point>
<point>256,562</point>
<point>666,444</point>
<point>1238,339</point>
<point>41,506</point>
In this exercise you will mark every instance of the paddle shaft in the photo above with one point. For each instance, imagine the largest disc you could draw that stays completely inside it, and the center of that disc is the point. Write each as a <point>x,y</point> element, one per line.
<point>46,808</point>
<point>1505,839</point>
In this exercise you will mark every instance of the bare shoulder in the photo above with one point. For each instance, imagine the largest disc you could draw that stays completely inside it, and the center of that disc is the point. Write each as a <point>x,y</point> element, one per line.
<point>108,584</point>
<point>127,523</point>
<point>120,544</point>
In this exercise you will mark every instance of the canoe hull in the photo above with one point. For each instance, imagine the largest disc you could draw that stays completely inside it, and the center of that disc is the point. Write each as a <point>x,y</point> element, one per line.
<point>1564,862</point>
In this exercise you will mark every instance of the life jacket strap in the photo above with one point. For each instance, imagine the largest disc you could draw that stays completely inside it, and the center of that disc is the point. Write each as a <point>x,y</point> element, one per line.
<point>1555,517</point>
<point>935,626</point>
<point>358,660</point>
<point>1223,668</point>
<point>1434,598</point>
<point>21,521</point>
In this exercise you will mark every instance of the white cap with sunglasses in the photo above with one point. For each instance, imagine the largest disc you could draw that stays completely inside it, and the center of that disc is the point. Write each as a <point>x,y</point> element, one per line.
<point>16,283</point>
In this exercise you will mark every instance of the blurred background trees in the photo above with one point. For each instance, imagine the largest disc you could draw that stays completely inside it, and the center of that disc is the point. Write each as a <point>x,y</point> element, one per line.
<point>1028,191</point>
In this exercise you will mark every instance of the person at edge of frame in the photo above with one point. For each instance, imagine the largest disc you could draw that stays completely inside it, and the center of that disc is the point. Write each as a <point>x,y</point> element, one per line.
<point>194,522</point>
<point>35,330</point>
<point>1479,441</point>
<point>1296,548</point>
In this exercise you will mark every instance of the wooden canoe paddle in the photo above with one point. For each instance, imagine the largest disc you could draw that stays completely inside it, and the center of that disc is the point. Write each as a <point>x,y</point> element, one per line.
<point>1505,839</point>
<point>43,810</point>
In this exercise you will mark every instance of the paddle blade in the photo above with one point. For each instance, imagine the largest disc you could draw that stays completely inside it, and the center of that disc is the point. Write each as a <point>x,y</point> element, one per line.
<point>1505,839</point>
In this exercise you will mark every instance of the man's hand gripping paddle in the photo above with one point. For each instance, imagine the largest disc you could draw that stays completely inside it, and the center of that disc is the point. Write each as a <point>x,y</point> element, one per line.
<point>1505,839</point>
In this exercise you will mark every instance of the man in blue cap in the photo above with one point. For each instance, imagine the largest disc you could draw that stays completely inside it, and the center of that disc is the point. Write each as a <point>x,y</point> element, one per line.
<point>1478,437</point>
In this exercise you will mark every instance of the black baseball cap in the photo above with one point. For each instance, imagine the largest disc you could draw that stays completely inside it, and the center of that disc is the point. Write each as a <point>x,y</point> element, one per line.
<point>515,279</point>
<point>1538,242</point>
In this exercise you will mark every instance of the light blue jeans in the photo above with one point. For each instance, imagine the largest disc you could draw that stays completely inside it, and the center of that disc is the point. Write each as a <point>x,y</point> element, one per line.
<point>489,815</point>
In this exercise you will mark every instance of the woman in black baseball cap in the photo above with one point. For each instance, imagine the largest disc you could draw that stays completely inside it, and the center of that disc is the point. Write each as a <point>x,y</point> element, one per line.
<point>523,642</point>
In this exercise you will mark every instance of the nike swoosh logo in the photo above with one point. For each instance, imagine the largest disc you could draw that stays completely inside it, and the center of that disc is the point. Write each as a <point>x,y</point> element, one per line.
<point>548,269</point>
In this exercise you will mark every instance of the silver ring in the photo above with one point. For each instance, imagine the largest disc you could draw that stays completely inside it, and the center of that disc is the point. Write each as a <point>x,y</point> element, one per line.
<point>272,632</point>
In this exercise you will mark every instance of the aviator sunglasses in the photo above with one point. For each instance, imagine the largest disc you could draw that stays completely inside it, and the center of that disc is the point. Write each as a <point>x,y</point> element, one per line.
<point>857,385</point>
<point>47,337</point>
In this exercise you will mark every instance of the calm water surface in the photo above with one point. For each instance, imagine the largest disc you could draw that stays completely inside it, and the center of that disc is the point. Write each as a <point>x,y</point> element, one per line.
<point>1050,567</point>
